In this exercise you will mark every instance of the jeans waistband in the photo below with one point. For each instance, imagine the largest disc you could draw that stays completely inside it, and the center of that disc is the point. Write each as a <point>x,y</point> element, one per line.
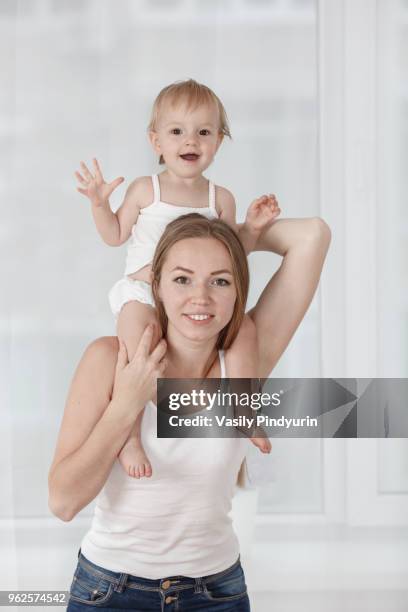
<point>120,580</point>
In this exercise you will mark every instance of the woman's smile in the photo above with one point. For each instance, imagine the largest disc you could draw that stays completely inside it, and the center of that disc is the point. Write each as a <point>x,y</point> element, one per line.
<point>199,319</point>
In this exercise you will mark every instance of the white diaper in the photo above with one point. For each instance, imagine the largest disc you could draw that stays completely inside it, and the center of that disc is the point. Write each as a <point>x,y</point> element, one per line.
<point>127,290</point>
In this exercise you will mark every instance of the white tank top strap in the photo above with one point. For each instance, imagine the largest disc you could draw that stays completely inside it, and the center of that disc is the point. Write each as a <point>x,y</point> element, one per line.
<point>223,372</point>
<point>156,187</point>
<point>211,197</point>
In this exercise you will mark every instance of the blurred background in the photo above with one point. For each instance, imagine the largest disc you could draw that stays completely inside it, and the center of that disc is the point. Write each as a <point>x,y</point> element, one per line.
<point>316,95</point>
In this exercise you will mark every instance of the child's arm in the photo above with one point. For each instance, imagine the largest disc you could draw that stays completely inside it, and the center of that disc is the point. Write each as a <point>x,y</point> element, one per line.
<point>114,228</point>
<point>261,213</point>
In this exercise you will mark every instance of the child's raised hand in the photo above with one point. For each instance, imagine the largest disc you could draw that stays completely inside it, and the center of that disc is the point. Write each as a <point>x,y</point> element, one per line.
<point>94,185</point>
<point>262,212</point>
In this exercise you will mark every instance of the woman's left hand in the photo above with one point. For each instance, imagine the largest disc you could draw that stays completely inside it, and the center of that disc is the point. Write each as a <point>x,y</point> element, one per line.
<point>262,212</point>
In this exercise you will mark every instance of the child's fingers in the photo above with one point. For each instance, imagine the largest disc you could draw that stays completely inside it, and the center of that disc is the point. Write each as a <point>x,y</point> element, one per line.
<point>86,172</point>
<point>116,182</point>
<point>272,201</point>
<point>257,204</point>
<point>271,210</point>
<point>80,178</point>
<point>257,201</point>
<point>272,206</point>
<point>275,214</point>
<point>83,191</point>
<point>98,172</point>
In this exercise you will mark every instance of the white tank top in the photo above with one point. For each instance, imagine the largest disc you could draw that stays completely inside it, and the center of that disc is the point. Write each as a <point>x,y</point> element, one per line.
<point>176,522</point>
<point>151,223</point>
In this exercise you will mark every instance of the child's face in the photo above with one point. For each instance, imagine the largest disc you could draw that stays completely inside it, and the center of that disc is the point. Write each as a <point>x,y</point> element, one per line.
<point>187,139</point>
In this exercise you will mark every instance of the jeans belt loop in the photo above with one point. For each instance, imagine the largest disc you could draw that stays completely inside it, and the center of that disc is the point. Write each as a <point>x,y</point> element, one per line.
<point>122,583</point>
<point>198,585</point>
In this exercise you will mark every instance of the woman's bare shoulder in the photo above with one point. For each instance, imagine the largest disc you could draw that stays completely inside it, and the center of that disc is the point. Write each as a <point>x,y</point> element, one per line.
<point>104,347</point>
<point>101,355</point>
<point>99,360</point>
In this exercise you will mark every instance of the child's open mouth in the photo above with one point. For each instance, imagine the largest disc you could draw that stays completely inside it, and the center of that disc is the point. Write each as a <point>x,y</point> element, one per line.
<point>190,156</point>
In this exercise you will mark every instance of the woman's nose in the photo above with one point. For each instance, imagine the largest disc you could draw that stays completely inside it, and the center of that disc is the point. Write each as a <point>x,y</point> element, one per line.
<point>200,294</point>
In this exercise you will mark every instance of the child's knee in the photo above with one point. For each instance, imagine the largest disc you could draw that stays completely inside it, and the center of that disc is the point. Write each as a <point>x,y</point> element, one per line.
<point>132,321</point>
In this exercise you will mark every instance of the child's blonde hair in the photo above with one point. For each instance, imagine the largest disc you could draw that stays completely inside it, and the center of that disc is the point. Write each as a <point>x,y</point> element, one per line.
<point>194,95</point>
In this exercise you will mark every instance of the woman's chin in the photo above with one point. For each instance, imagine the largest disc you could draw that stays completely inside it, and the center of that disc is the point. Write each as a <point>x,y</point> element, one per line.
<point>199,329</point>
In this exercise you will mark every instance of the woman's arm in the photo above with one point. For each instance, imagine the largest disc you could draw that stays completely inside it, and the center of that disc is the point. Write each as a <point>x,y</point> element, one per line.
<point>91,435</point>
<point>95,425</point>
<point>303,243</point>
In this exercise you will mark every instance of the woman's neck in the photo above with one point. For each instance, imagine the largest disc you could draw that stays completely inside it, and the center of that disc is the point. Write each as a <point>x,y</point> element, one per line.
<point>188,359</point>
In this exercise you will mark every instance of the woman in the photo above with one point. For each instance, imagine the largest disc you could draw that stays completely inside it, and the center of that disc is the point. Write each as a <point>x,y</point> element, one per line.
<point>166,543</point>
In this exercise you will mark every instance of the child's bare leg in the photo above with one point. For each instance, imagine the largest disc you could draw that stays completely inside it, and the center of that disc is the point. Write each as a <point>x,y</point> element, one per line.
<point>243,364</point>
<point>132,320</point>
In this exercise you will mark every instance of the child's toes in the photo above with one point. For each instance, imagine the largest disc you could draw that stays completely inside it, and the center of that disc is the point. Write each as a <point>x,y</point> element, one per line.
<point>148,470</point>
<point>263,444</point>
<point>132,471</point>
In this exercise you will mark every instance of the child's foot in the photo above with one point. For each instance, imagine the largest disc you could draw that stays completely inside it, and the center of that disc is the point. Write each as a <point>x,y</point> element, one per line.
<point>134,460</point>
<point>263,444</point>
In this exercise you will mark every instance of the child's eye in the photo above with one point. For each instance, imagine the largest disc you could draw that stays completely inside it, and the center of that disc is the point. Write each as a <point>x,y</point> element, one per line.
<point>176,131</point>
<point>181,280</point>
<point>221,282</point>
<point>204,132</point>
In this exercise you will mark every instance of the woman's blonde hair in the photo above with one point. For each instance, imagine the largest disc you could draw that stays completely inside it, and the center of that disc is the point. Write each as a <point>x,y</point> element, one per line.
<point>195,225</point>
<point>193,94</point>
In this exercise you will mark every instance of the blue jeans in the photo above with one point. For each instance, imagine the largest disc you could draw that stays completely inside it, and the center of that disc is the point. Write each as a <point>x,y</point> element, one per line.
<point>95,587</point>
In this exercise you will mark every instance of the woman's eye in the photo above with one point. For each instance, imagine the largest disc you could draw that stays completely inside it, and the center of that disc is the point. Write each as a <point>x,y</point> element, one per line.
<point>204,132</point>
<point>181,280</point>
<point>221,282</point>
<point>176,131</point>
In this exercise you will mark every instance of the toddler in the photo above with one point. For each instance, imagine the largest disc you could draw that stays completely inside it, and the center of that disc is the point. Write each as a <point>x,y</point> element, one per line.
<point>187,126</point>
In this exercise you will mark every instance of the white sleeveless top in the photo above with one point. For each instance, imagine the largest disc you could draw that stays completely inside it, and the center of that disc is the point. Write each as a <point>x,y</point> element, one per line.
<point>151,223</point>
<point>177,521</point>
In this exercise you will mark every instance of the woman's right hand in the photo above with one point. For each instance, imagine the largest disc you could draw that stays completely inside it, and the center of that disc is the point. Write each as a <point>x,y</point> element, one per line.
<point>135,380</point>
<point>95,187</point>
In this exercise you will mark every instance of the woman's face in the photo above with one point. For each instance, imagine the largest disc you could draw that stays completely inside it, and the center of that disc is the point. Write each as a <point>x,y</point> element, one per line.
<point>197,288</point>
